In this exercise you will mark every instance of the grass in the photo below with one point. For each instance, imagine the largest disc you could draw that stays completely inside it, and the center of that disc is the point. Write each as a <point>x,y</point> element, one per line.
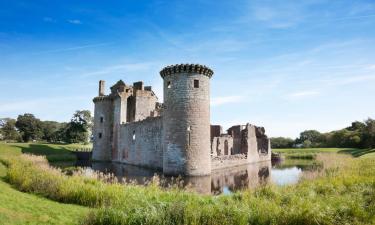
<point>23,208</point>
<point>53,152</point>
<point>342,193</point>
<point>355,152</point>
<point>312,150</point>
<point>300,163</point>
<point>369,155</point>
<point>310,153</point>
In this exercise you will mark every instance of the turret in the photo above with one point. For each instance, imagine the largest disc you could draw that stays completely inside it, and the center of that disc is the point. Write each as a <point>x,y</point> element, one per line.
<point>186,120</point>
<point>102,130</point>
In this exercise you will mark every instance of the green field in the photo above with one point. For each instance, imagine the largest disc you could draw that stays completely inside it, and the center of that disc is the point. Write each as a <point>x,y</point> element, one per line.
<point>53,152</point>
<point>343,192</point>
<point>351,151</point>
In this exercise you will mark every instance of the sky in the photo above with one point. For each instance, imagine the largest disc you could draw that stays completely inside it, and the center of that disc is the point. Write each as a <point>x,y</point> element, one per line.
<point>286,65</point>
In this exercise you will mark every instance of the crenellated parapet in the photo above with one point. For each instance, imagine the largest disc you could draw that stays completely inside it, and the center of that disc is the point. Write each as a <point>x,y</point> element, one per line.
<point>186,68</point>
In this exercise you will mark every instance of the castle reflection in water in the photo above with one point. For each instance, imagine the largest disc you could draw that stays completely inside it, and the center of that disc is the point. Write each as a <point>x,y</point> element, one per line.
<point>219,182</point>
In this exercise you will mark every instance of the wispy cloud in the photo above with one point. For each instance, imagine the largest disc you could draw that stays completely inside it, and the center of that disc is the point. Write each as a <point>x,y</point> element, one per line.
<point>217,101</point>
<point>279,15</point>
<point>31,105</point>
<point>275,18</point>
<point>355,79</point>
<point>303,94</point>
<point>126,67</point>
<point>75,21</point>
<point>79,47</point>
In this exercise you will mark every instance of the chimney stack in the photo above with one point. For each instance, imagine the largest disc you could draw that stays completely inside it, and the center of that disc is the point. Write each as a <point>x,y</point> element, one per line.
<point>101,88</point>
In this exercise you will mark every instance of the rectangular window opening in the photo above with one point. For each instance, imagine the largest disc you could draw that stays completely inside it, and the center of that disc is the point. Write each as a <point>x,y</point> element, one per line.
<point>101,119</point>
<point>196,83</point>
<point>169,85</point>
<point>100,135</point>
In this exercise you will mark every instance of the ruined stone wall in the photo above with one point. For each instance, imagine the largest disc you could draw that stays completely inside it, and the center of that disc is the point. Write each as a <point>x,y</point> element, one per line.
<point>236,132</point>
<point>141,143</point>
<point>102,130</point>
<point>258,145</point>
<point>186,120</point>
<point>222,145</point>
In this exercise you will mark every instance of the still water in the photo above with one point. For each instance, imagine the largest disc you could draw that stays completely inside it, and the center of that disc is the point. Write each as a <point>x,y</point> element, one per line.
<point>219,182</point>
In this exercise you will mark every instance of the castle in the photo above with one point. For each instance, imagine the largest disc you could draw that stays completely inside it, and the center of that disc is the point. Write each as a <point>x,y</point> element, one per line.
<point>131,126</point>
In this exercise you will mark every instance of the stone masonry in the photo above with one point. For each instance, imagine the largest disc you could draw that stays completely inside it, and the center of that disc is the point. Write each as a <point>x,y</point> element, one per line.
<point>131,126</point>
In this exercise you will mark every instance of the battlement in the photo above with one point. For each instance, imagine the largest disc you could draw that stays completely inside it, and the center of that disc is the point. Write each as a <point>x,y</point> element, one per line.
<point>186,68</point>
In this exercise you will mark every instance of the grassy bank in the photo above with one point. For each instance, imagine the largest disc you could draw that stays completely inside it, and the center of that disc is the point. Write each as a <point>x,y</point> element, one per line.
<point>343,192</point>
<point>22,208</point>
<point>53,152</point>
<point>355,152</point>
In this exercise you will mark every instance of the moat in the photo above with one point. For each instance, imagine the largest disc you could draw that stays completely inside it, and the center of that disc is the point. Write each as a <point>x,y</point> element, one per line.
<point>220,182</point>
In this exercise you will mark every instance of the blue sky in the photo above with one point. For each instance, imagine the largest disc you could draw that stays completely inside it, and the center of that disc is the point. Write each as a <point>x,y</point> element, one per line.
<point>285,65</point>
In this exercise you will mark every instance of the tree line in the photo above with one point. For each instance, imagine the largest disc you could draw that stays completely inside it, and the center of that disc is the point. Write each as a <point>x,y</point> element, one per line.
<point>29,128</point>
<point>358,135</point>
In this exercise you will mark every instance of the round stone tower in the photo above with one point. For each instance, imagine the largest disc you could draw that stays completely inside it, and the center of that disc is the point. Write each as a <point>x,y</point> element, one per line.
<point>186,120</point>
<point>103,126</point>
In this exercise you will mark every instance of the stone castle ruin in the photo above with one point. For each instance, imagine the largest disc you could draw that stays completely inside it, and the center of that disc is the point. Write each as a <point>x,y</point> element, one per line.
<point>131,126</point>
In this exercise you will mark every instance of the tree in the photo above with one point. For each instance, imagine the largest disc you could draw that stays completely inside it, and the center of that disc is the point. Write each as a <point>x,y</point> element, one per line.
<point>368,133</point>
<point>281,142</point>
<point>29,127</point>
<point>356,126</point>
<point>307,144</point>
<point>314,138</point>
<point>51,130</point>
<point>79,128</point>
<point>8,129</point>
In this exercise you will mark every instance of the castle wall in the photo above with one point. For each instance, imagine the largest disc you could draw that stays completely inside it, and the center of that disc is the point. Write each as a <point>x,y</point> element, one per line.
<point>119,117</point>
<point>102,130</point>
<point>141,143</point>
<point>228,161</point>
<point>186,118</point>
<point>145,103</point>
